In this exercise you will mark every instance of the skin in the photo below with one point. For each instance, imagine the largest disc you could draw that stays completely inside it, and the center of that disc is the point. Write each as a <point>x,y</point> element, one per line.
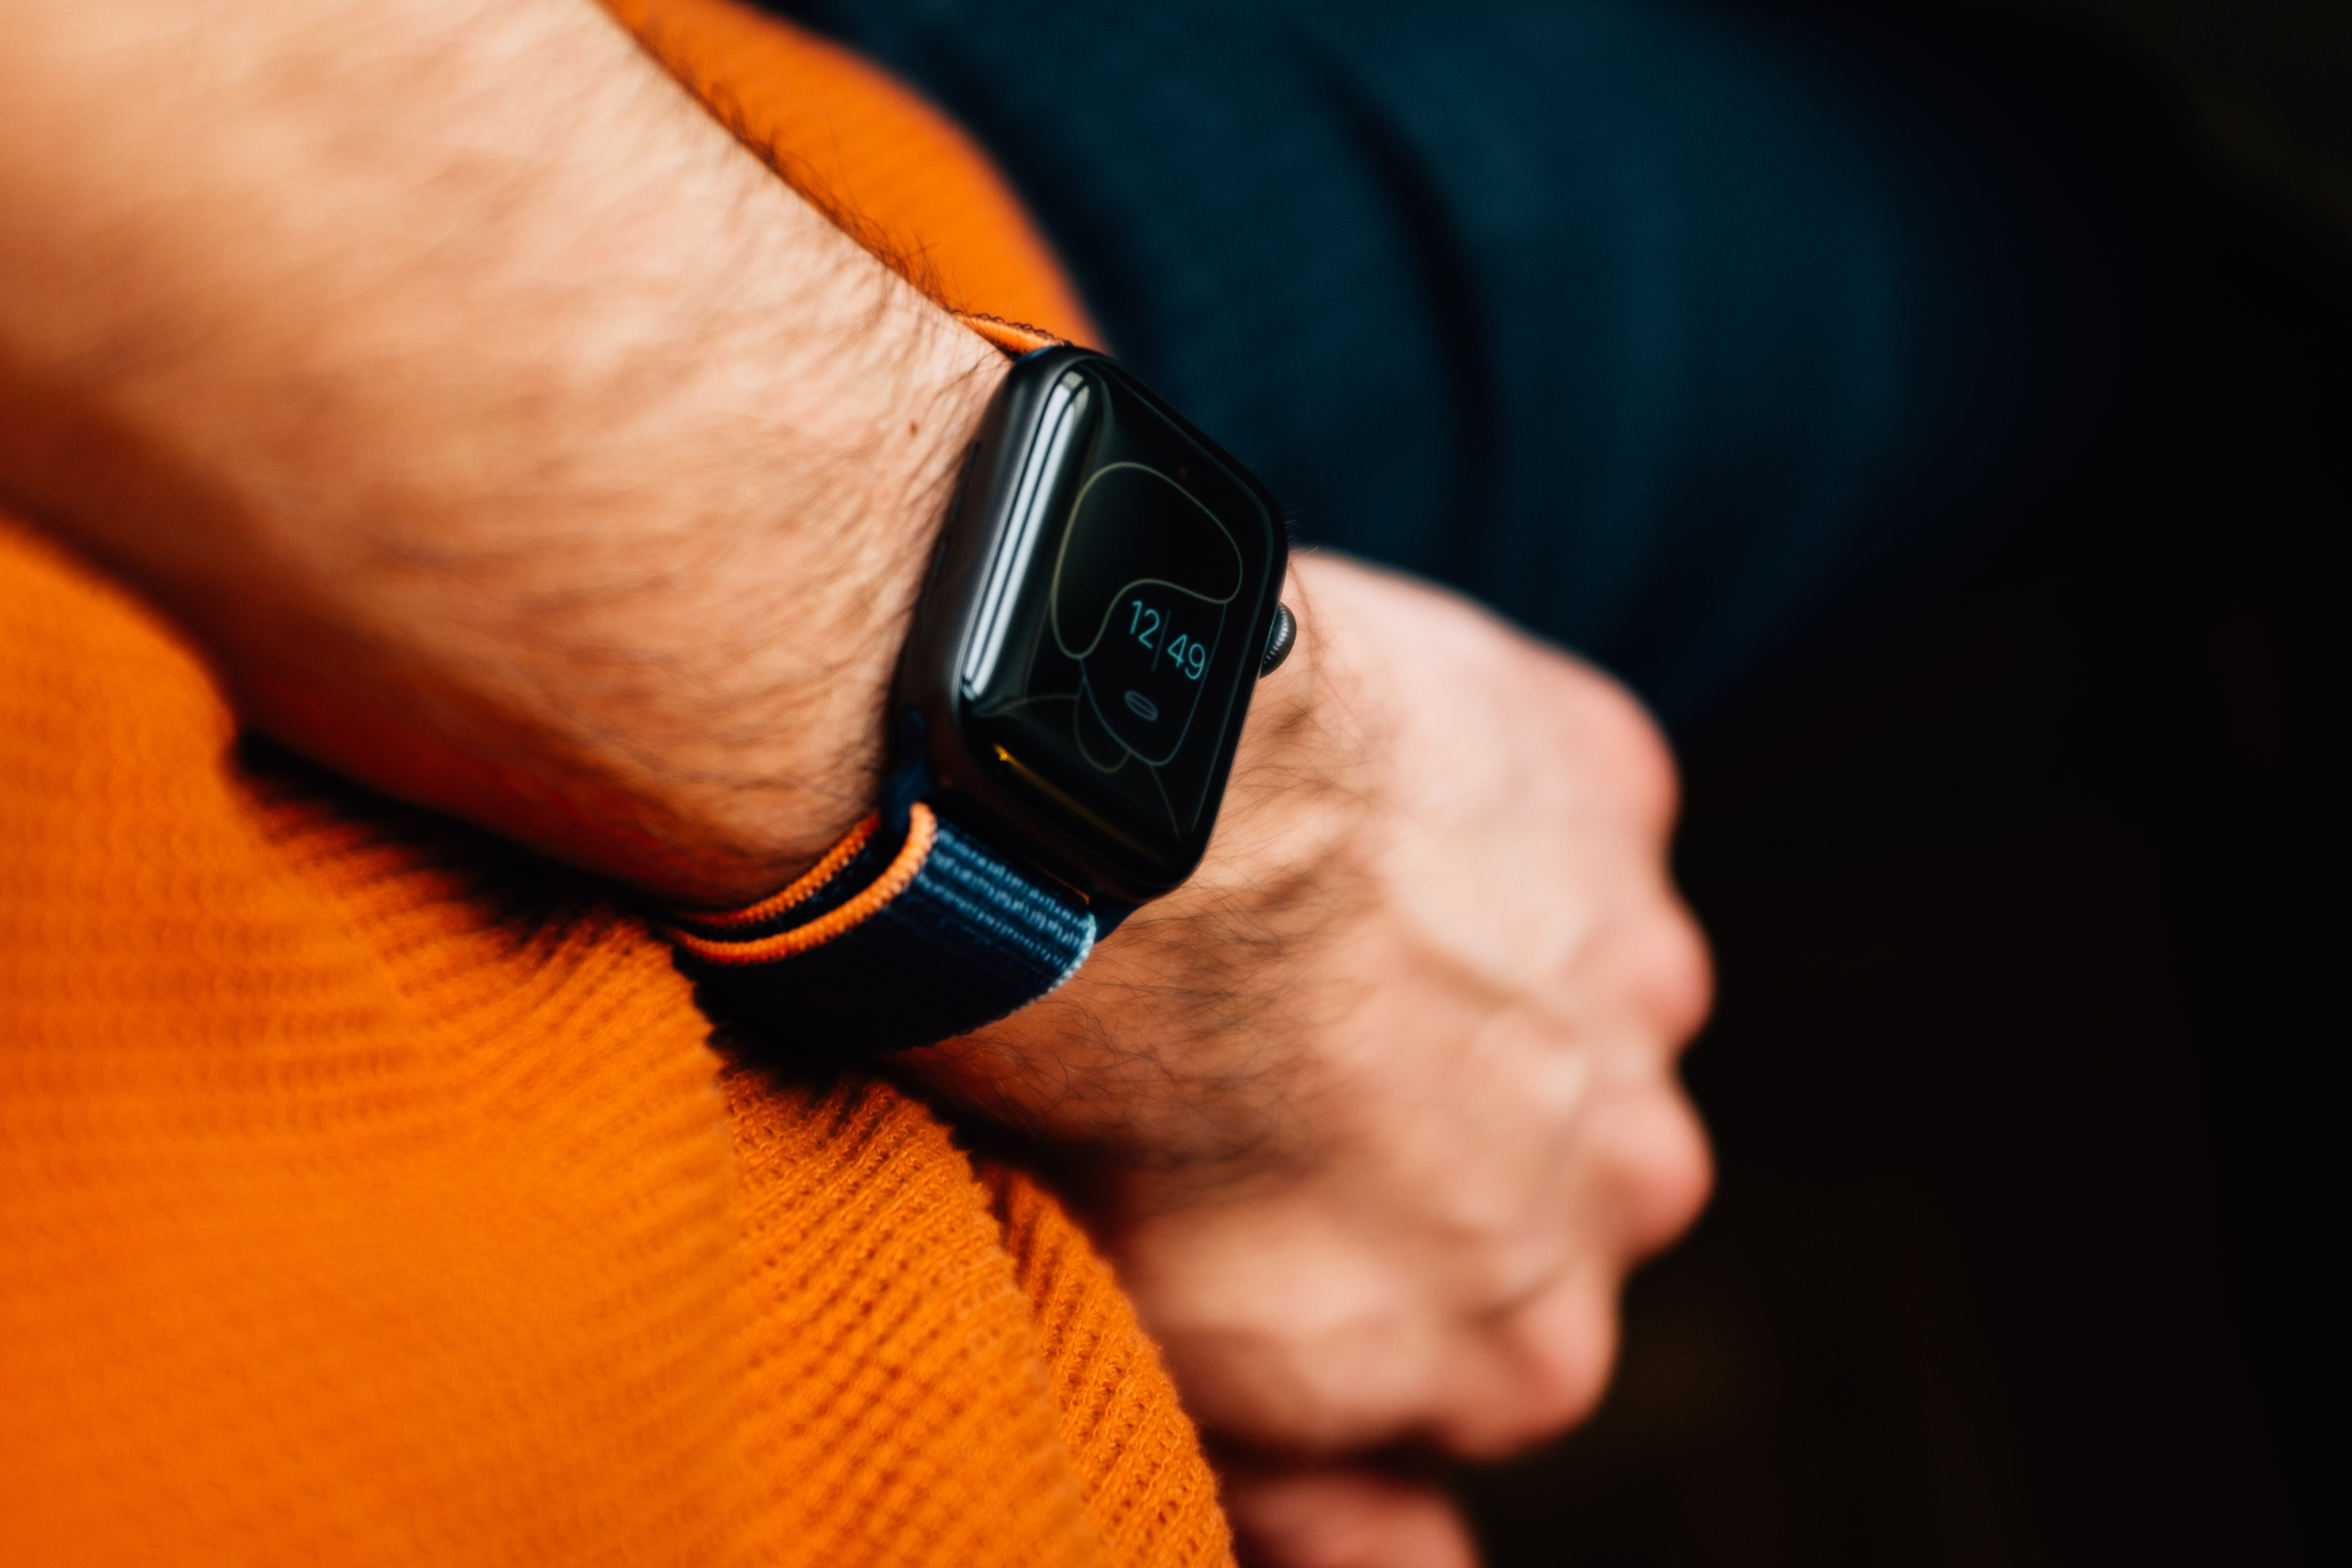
<point>512,440</point>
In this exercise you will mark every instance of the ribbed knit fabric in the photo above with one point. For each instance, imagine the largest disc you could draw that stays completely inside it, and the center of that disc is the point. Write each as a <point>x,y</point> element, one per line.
<point>1141,1472</point>
<point>347,1217</point>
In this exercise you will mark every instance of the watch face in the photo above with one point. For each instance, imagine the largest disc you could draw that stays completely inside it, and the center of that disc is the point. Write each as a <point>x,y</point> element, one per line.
<point>1117,624</point>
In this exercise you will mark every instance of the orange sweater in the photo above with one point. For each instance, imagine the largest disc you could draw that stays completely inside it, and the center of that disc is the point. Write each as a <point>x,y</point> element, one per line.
<point>342,1221</point>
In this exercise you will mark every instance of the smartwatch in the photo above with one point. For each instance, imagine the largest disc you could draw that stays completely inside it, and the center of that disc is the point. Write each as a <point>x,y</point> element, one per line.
<point>1103,599</point>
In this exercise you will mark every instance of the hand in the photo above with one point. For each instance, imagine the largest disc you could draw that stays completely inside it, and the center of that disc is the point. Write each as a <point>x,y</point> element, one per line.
<point>1381,1107</point>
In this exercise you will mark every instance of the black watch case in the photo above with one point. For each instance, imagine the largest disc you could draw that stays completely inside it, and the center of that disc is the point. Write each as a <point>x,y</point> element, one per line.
<point>1083,651</point>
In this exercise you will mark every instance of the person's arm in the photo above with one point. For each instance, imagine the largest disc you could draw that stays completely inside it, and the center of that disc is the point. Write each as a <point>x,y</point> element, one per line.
<point>508,436</point>
<point>512,440</point>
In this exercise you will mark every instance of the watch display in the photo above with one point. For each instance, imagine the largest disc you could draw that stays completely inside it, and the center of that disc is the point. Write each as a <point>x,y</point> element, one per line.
<point>1118,582</point>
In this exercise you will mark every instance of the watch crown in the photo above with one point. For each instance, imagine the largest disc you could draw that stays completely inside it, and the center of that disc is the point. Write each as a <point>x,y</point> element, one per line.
<point>1280,638</point>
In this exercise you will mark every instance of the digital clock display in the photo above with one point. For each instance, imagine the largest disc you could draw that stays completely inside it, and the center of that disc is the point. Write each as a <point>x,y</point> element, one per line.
<point>1107,649</point>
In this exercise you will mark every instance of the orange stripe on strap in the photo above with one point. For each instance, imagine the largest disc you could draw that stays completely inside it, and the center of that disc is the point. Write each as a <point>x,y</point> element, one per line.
<point>922,829</point>
<point>1015,338</point>
<point>800,889</point>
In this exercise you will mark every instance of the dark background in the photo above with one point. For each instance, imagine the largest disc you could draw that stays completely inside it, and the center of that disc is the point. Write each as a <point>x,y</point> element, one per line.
<point>2029,1245</point>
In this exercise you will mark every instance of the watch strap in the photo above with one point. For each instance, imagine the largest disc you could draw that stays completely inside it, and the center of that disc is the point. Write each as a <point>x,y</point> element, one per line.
<point>1014,338</point>
<point>906,933</point>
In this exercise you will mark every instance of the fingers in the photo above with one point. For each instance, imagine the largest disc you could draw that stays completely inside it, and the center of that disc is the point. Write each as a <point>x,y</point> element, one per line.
<point>1670,971</point>
<point>1343,1517</point>
<point>1540,1367</point>
<point>1528,1375</point>
<point>1653,1169</point>
<point>1454,1281</point>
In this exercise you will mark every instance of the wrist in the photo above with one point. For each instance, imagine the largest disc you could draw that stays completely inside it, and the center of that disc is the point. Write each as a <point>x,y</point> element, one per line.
<point>1067,706</point>
<point>796,723</point>
<point>1174,1058</point>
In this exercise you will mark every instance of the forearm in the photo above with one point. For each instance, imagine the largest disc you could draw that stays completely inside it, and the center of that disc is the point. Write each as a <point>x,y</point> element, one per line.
<point>507,435</point>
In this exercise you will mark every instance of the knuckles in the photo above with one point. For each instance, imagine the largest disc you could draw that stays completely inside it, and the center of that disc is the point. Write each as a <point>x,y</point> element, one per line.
<point>1618,746</point>
<point>1546,1369</point>
<point>1655,1171</point>
<point>1673,973</point>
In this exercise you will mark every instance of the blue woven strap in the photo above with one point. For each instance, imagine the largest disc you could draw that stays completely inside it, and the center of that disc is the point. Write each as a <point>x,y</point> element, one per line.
<point>902,936</point>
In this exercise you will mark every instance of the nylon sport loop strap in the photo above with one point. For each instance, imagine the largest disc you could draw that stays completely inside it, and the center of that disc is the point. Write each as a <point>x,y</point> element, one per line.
<point>900,936</point>
<point>1015,338</point>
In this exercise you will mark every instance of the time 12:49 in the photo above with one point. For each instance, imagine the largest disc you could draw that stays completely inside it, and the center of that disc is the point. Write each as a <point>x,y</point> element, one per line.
<point>1144,624</point>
